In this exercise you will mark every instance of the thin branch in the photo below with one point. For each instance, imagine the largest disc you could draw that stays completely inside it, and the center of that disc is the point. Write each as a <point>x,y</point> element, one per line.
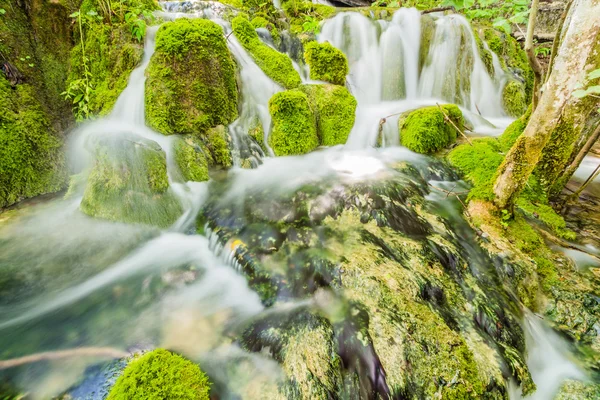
<point>583,152</point>
<point>533,61</point>
<point>61,354</point>
<point>563,243</point>
<point>447,118</point>
<point>438,9</point>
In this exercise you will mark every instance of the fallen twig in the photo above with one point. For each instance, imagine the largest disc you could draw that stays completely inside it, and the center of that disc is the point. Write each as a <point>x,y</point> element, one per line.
<point>447,118</point>
<point>438,9</point>
<point>60,354</point>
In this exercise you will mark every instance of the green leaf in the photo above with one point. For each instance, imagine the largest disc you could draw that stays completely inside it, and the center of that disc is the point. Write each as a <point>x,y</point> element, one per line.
<point>580,93</point>
<point>92,13</point>
<point>594,74</point>
<point>593,89</point>
<point>75,14</point>
<point>2,11</point>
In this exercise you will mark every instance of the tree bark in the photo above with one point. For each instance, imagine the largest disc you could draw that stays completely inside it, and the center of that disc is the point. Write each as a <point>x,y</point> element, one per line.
<point>529,50</point>
<point>569,69</point>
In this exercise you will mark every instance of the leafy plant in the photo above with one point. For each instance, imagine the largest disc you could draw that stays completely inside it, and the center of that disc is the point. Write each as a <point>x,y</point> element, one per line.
<point>136,20</point>
<point>2,11</point>
<point>504,14</point>
<point>542,51</point>
<point>585,89</point>
<point>311,25</point>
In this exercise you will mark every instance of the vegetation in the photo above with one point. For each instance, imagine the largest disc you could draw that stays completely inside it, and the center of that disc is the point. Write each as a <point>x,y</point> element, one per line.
<point>428,129</point>
<point>276,65</point>
<point>160,374</point>
<point>326,63</point>
<point>191,83</point>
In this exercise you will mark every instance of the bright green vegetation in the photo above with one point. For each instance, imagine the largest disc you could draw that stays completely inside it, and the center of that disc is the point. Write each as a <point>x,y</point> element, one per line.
<point>294,129</point>
<point>305,16</point>
<point>191,83</point>
<point>108,46</point>
<point>426,130</point>
<point>310,116</point>
<point>333,107</point>
<point>158,375</point>
<point>128,183</point>
<point>326,63</point>
<point>479,163</point>
<point>278,66</point>
<point>514,98</point>
<point>34,46</point>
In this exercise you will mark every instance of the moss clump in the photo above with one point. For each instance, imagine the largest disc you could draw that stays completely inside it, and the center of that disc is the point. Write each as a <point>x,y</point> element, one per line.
<point>128,182</point>
<point>294,129</point>
<point>514,98</point>
<point>191,83</point>
<point>161,374</point>
<point>426,130</point>
<point>513,131</point>
<point>326,63</point>
<point>276,65</point>
<point>262,22</point>
<point>333,107</point>
<point>299,11</point>
<point>191,160</point>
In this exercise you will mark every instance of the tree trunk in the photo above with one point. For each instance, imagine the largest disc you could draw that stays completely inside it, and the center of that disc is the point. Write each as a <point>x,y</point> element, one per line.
<point>533,61</point>
<point>570,67</point>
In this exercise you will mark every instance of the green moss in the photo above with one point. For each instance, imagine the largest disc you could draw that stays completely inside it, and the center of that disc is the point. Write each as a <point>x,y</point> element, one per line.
<point>191,160</point>
<point>334,108</point>
<point>513,131</point>
<point>276,65</point>
<point>485,55</point>
<point>425,130</point>
<point>217,142</point>
<point>294,129</point>
<point>514,98</point>
<point>161,374</point>
<point>31,157</point>
<point>191,83</point>
<point>298,11</point>
<point>326,63</point>
<point>128,182</point>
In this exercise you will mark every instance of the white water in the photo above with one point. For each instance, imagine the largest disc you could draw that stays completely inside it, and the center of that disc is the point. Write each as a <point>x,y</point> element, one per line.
<point>548,359</point>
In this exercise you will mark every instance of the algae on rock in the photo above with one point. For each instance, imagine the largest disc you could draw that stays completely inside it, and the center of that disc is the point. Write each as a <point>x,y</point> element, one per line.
<point>334,110</point>
<point>191,83</point>
<point>128,183</point>
<point>427,130</point>
<point>278,66</point>
<point>294,129</point>
<point>326,63</point>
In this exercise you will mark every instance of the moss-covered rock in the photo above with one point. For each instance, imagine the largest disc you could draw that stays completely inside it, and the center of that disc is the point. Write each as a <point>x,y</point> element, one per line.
<point>426,129</point>
<point>514,98</point>
<point>160,374</point>
<point>276,65</point>
<point>294,128</point>
<point>191,160</point>
<point>326,63</point>
<point>128,182</point>
<point>427,34</point>
<point>334,108</point>
<point>299,11</point>
<point>191,83</point>
<point>261,22</point>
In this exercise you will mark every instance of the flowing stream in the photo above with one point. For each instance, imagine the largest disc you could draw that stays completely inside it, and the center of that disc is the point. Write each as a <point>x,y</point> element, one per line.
<point>77,281</point>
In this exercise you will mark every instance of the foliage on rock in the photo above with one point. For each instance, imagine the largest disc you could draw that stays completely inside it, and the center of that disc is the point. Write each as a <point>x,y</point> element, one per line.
<point>191,84</point>
<point>426,129</point>
<point>278,66</point>
<point>294,128</point>
<point>326,63</point>
<point>160,374</point>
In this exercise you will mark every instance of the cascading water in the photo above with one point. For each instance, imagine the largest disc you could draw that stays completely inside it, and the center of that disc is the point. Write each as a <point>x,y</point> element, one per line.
<point>269,236</point>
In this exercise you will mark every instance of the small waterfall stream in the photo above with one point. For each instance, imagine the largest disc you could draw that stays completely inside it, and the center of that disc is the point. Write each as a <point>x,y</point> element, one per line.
<point>137,287</point>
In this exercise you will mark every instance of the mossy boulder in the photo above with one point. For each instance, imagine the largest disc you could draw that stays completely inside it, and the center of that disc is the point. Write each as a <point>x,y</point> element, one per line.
<point>294,128</point>
<point>334,109</point>
<point>427,130</point>
<point>160,374</point>
<point>278,66</point>
<point>128,182</point>
<point>261,22</point>
<point>326,63</point>
<point>191,159</point>
<point>514,98</point>
<point>191,84</point>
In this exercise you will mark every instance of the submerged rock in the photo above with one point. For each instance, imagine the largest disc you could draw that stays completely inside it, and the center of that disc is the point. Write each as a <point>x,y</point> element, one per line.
<point>430,129</point>
<point>326,63</point>
<point>191,83</point>
<point>413,311</point>
<point>128,183</point>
